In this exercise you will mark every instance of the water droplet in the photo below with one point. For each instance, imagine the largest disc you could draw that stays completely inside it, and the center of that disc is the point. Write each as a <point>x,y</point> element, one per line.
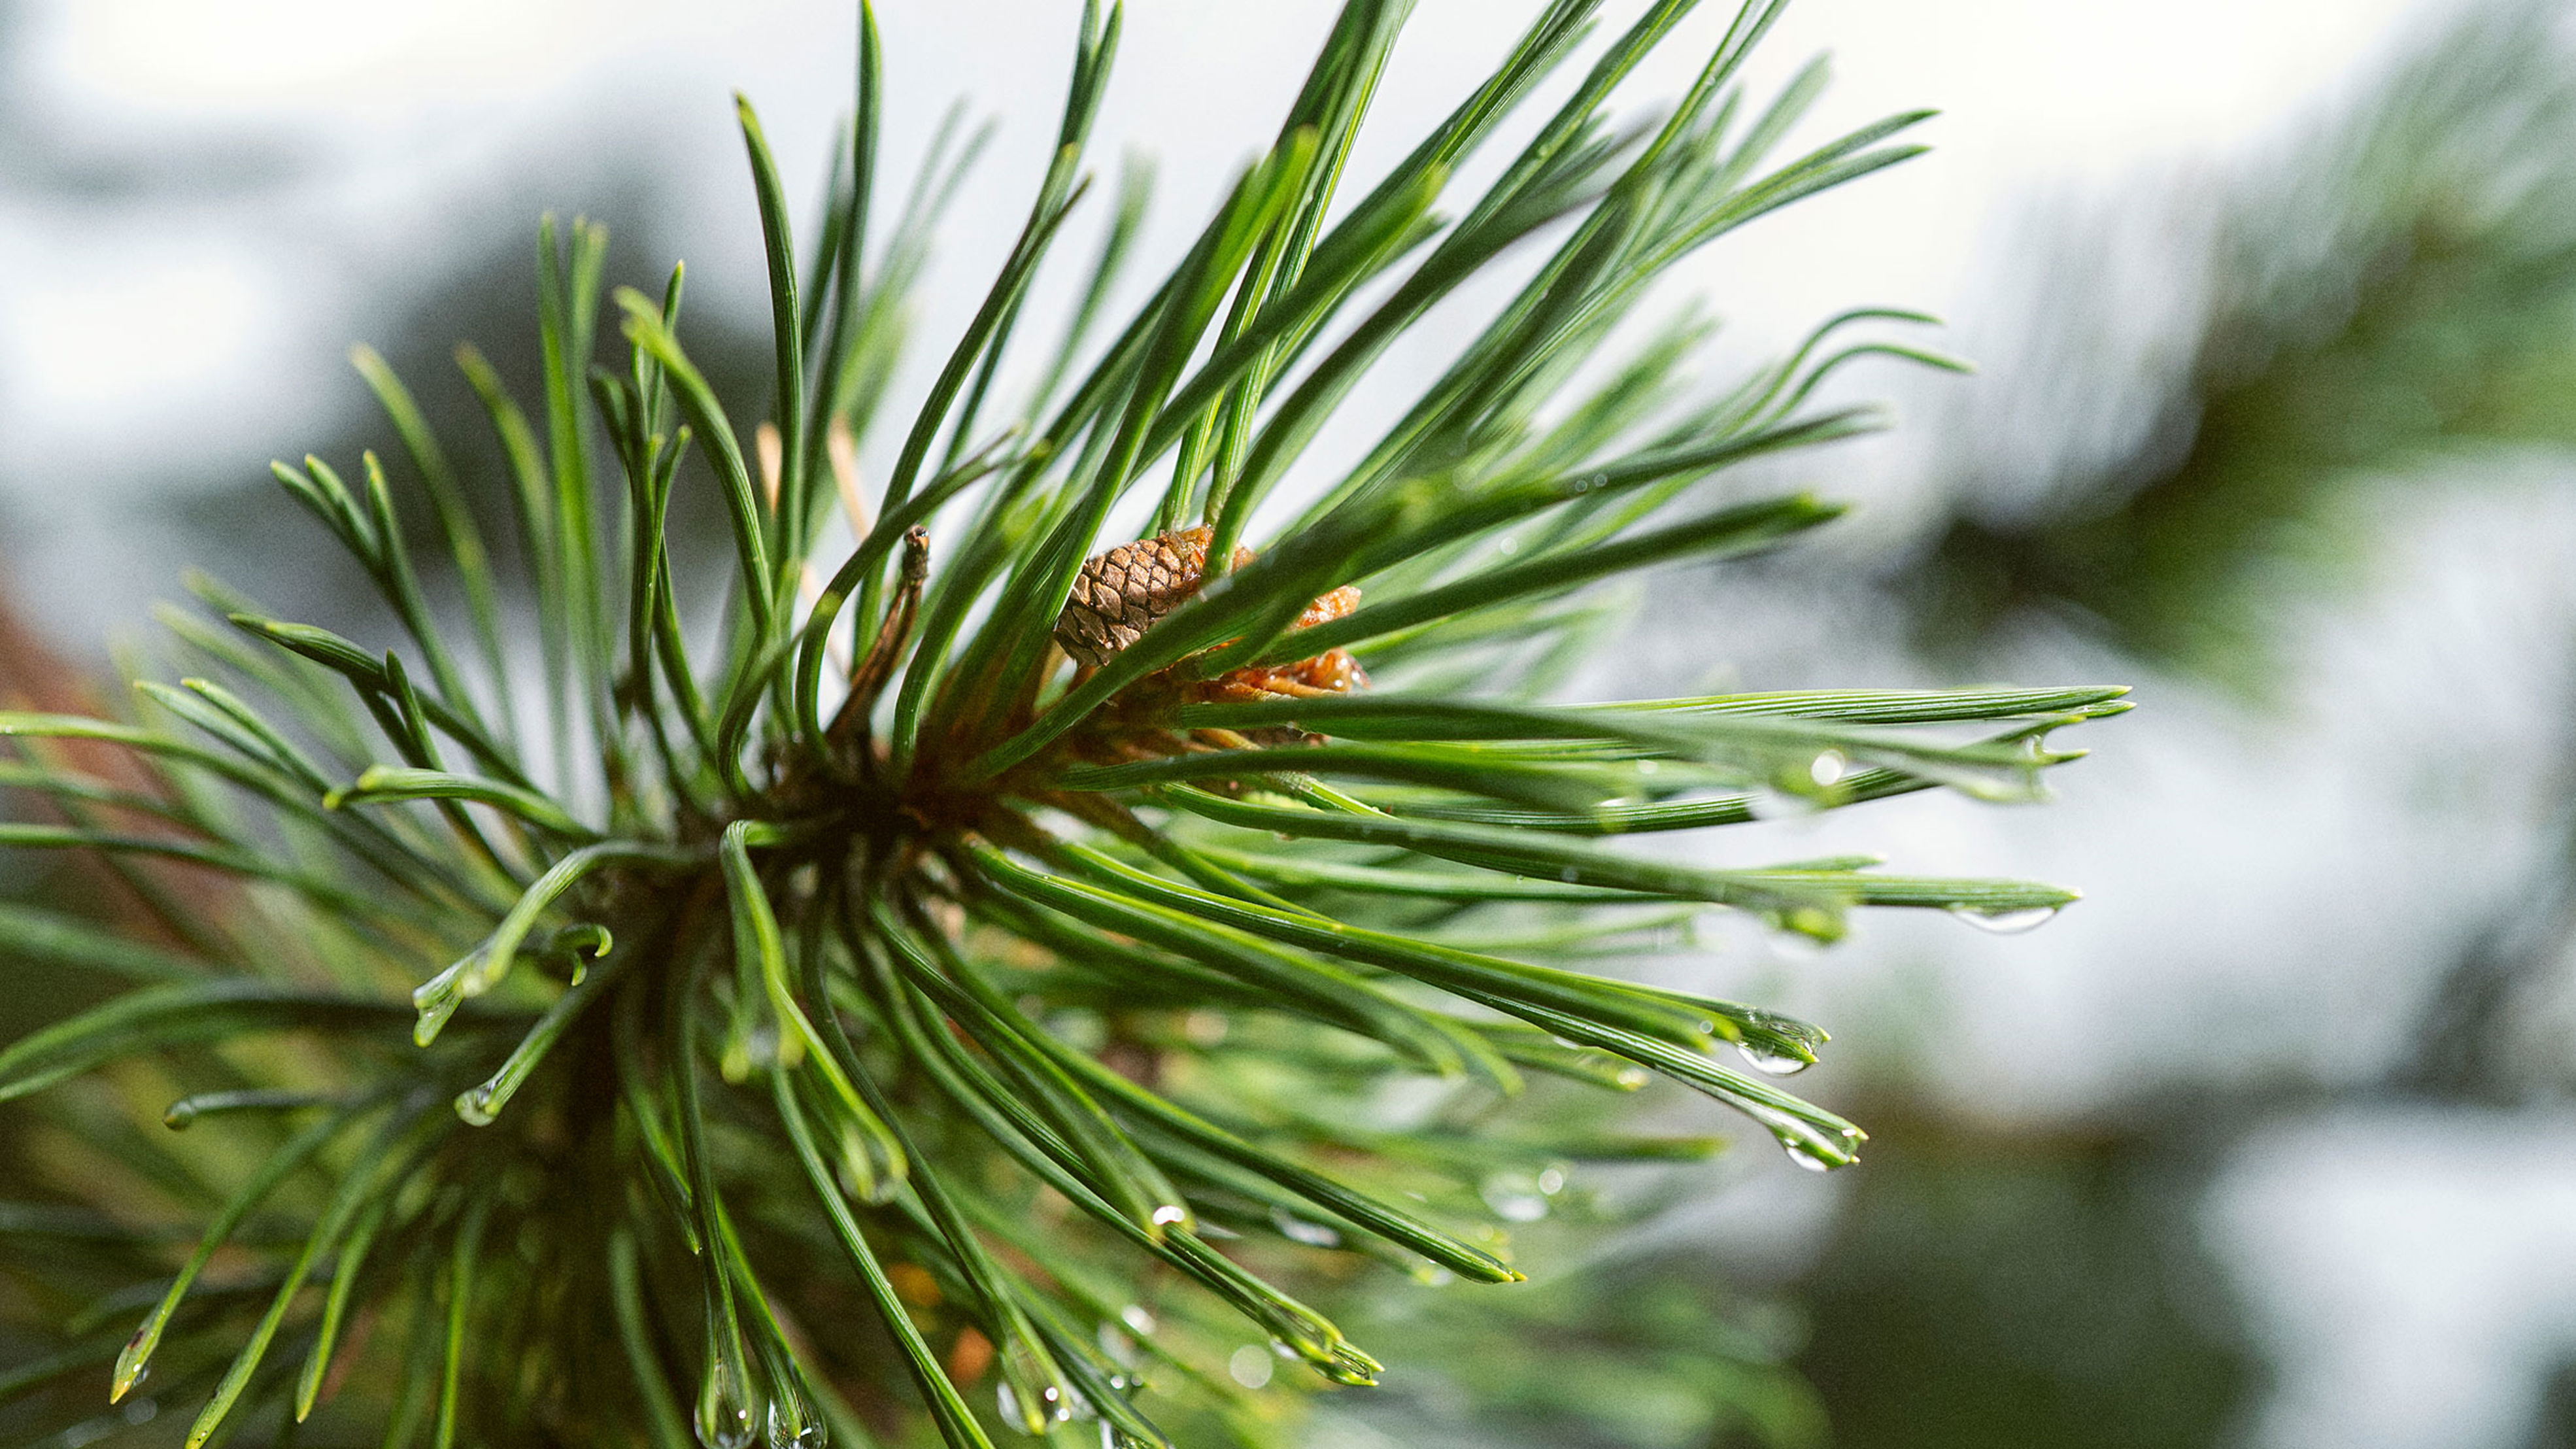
<point>1170,1213</point>
<point>1508,547</point>
<point>1552,1181</point>
<point>1569,875</point>
<point>1806,1156</point>
<point>1135,1317</point>
<point>1828,769</point>
<point>724,1419</point>
<point>2006,922</point>
<point>1008,1402</point>
<point>1817,1148</point>
<point>793,1426</point>
<point>1250,1366</point>
<point>1069,1403</point>
<point>434,1013</point>
<point>133,1366</point>
<point>1771,1063</point>
<point>1298,1230</point>
<point>475,1106</point>
<point>1632,1079</point>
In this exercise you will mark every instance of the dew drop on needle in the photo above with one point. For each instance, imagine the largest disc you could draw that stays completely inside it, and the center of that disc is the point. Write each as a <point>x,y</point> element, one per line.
<point>2006,922</point>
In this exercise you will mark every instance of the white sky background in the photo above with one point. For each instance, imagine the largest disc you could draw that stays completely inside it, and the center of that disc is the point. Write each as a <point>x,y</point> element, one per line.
<point>134,335</point>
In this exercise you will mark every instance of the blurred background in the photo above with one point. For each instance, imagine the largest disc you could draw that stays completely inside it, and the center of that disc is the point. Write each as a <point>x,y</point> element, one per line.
<point>2268,1142</point>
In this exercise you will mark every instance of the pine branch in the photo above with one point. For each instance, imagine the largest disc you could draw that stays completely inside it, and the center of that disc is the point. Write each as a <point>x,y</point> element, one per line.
<point>984,991</point>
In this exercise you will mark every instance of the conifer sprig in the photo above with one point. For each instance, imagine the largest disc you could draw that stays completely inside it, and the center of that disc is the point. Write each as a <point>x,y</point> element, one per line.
<point>855,989</point>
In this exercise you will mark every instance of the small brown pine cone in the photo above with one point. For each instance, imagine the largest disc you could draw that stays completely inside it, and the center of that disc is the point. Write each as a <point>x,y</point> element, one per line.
<point>1119,594</point>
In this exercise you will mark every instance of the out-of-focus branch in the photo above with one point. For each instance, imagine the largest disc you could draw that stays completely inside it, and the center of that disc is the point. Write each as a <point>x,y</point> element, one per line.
<point>2399,288</point>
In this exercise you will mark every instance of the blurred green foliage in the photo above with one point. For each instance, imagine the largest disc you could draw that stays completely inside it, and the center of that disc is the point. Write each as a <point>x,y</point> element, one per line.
<point>2397,288</point>
<point>1640,1350</point>
<point>2032,1289</point>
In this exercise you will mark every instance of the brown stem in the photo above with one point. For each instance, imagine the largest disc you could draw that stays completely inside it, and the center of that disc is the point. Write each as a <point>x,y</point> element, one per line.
<point>869,679</point>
